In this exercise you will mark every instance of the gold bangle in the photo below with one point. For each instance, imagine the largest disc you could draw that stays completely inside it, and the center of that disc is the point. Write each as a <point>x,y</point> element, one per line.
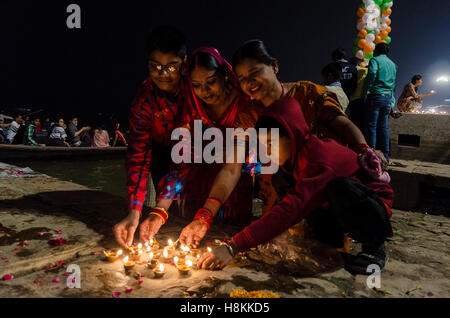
<point>164,222</point>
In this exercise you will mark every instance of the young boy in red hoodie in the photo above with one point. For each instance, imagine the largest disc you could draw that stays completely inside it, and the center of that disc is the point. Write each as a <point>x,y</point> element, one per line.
<point>319,180</point>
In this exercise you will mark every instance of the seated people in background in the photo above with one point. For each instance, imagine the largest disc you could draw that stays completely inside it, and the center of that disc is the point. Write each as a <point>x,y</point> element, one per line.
<point>409,99</point>
<point>322,182</point>
<point>58,135</point>
<point>13,129</point>
<point>2,131</point>
<point>73,132</point>
<point>349,73</point>
<point>332,75</point>
<point>30,133</point>
<point>46,125</point>
<point>101,138</point>
<point>119,137</point>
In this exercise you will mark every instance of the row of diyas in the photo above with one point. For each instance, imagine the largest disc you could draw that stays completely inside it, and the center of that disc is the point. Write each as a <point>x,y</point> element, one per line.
<point>183,259</point>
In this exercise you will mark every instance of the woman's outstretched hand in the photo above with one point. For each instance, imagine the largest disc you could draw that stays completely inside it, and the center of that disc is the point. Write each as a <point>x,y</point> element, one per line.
<point>149,227</point>
<point>125,229</point>
<point>217,259</point>
<point>192,234</point>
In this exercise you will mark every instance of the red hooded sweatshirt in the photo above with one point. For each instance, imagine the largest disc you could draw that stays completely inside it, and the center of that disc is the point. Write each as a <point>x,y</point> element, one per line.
<point>315,163</point>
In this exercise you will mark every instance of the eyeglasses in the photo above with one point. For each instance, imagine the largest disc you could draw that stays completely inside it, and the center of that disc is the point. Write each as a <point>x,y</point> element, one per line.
<point>169,68</point>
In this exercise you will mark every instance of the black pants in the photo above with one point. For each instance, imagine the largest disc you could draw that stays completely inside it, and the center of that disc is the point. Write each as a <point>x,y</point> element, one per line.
<point>355,112</point>
<point>353,209</point>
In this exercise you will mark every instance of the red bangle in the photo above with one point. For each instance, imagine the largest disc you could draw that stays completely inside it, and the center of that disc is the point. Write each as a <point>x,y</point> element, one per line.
<point>360,148</point>
<point>215,200</point>
<point>161,213</point>
<point>204,215</point>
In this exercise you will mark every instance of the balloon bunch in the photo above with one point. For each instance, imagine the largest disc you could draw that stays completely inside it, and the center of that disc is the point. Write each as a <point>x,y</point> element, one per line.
<point>373,26</point>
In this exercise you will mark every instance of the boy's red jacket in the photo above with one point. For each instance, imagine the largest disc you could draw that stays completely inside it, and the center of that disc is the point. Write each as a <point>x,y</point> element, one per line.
<point>153,117</point>
<point>316,162</point>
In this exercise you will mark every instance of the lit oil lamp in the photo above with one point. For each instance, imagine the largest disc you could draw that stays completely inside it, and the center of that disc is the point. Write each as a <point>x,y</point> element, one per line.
<point>112,255</point>
<point>159,271</point>
<point>151,264</point>
<point>184,251</point>
<point>135,254</point>
<point>196,252</point>
<point>168,255</point>
<point>184,269</point>
<point>128,264</point>
<point>154,244</point>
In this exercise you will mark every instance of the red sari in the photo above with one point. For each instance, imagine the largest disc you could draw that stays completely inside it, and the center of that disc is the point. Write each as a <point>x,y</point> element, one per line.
<point>193,182</point>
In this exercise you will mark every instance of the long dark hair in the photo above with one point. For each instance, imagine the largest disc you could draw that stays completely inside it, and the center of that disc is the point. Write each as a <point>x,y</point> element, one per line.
<point>255,50</point>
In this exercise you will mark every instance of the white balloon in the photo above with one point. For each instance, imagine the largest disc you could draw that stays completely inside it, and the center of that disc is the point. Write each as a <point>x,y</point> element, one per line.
<point>383,26</point>
<point>360,26</point>
<point>360,54</point>
<point>384,19</point>
<point>370,38</point>
<point>366,18</point>
<point>377,31</point>
<point>372,45</point>
<point>391,4</point>
<point>371,7</point>
<point>376,12</point>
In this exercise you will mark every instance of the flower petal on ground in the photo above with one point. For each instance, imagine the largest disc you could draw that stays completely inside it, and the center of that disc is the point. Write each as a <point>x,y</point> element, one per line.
<point>117,294</point>
<point>56,280</point>
<point>7,277</point>
<point>128,290</point>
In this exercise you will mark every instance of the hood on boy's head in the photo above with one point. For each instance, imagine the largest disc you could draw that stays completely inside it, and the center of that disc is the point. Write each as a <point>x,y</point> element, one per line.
<point>288,113</point>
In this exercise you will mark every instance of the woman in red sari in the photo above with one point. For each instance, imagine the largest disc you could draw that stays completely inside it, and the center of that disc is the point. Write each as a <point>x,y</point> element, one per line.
<point>214,97</point>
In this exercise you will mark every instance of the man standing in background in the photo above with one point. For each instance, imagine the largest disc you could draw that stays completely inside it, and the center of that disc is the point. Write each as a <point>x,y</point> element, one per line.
<point>379,89</point>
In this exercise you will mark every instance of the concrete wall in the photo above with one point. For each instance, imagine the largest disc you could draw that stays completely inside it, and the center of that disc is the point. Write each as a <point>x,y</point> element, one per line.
<point>423,137</point>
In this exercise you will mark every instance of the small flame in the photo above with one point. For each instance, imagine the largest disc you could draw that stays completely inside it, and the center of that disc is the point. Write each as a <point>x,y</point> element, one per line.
<point>151,255</point>
<point>209,249</point>
<point>119,252</point>
<point>161,267</point>
<point>198,256</point>
<point>175,259</point>
<point>189,263</point>
<point>151,242</point>
<point>170,242</point>
<point>139,245</point>
<point>140,252</point>
<point>148,249</point>
<point>125,260</point>
<point>146,244</point>
<point>165,253</point>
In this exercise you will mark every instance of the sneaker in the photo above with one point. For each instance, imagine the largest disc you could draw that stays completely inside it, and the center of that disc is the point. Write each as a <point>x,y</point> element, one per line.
<point>370,255</point>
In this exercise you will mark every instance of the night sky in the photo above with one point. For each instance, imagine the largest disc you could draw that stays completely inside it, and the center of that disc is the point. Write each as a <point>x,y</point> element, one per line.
<point>98,68</point>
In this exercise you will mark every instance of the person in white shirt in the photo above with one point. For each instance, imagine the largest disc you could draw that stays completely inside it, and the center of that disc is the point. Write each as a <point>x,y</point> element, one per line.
<point>58,135</point>
<point>13,129</point>
<point>332,78</point>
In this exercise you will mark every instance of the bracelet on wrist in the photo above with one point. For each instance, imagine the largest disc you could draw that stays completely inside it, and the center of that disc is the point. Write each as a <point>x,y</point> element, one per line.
<point>204,215</point>
<point>162,213</point>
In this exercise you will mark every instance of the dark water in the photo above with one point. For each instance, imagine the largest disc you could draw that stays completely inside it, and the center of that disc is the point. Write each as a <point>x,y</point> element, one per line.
<point>105,174</point>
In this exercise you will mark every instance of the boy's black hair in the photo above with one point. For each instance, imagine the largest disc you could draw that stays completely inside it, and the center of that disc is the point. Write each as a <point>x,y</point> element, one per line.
<point>334,69</point>
<point>167,39</point>
<point>338,54</point>
<point>270,122</point>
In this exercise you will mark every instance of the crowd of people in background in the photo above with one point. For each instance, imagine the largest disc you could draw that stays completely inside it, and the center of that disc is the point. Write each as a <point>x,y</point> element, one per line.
<point>24,130</point>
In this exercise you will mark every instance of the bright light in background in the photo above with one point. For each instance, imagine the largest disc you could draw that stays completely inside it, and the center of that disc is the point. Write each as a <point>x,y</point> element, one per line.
<point>442,79</point>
